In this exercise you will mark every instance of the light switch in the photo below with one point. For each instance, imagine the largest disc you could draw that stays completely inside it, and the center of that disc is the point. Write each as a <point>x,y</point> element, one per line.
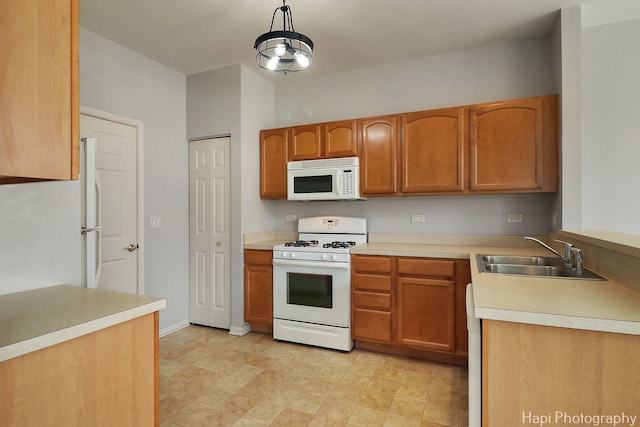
<point>417,217</point>
<point>515,217</point>
<point>156,221</point>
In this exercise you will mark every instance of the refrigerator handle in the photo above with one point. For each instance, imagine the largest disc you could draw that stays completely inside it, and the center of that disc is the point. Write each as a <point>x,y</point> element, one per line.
<point>98,230</point>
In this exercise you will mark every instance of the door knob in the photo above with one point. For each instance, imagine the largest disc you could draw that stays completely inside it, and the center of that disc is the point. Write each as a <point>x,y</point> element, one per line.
<point>132,247</point>
<point>218,243</point>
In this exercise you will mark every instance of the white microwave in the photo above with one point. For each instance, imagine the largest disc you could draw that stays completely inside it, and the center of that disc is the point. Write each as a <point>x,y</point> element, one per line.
<point>324,179</point>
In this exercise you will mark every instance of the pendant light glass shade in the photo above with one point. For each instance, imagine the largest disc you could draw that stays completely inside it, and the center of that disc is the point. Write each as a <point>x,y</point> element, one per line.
<point>284,51</point>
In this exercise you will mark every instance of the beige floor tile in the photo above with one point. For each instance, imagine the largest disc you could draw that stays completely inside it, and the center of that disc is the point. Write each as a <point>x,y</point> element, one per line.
<point>209,378</point>
<point>306,402</point>
<point>263,413</point>
<point>382,385</point>
<point>367,417</point>
<point>320,387</point>
<point>411,408</point>
<point>212,399</point>
<point>190,415</point>
<point>292,418</point>
<point>376,400</point>
<point>336,409</point>
<point>412,391</point>
<point>395,420</point>
<point>445,416</point>
<point>170,405</point>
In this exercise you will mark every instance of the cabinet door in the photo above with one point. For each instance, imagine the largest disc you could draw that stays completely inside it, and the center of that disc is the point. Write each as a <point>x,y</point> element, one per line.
<point>371,325</point>
<point>378,156</point>
<point>274,154</point>
<point>39,117</point>
<point>426,316</point>
<point>433,151</point>
<point>306,142</point>
<point>258,294</point>
<point>340,139</point>
<point>506,145</point>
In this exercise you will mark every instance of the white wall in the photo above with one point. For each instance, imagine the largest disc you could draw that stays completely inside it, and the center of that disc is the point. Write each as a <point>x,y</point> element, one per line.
<point>39,235</point>
<point>498,71</point>
<point>611,127</point>
<point>119,81</point>
<point>488,73</point>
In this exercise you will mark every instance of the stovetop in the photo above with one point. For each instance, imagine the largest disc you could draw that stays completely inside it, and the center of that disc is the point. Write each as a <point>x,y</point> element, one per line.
<point>324,239</point>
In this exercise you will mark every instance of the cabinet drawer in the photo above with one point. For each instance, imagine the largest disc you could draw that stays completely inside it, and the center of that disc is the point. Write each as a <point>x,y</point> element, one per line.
<point>372,300</point>
<point>426,267</point>
<point>372,282</point>
<point>371,264</point>
<point>252,256</point>
<point>371,325</point>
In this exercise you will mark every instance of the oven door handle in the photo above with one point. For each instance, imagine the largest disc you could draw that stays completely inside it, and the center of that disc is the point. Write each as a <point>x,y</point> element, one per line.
<point>314,264</point>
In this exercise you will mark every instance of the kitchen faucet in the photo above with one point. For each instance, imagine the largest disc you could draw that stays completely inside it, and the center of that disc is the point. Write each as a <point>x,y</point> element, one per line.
<point>569,252</point>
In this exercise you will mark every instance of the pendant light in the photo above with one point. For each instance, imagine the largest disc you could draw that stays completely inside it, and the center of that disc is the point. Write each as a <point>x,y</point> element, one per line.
<point>284,51</point>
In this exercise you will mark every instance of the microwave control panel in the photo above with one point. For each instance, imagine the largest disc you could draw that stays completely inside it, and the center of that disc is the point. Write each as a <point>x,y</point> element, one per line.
<point>347,182</point>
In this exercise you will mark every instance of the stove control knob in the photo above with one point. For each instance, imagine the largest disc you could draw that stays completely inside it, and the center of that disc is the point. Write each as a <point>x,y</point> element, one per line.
<point>293,255</point>
<point>325,257</point>
<point>333,257</point>
<point>285,254</point>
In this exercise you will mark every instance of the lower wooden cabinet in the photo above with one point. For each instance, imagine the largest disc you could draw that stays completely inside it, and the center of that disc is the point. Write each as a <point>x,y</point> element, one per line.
<point>410,302</point>
<point>258,286</point>
<point>533,371</point>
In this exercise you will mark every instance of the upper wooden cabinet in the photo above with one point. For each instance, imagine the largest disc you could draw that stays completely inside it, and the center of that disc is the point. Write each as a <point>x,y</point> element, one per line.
<point>40,115</point>
<point>499,147</point>
<point>514,145</point>
<point>274,154</point>
<point>433,145</point>
<point>379,156</point>
<point>335,139</point>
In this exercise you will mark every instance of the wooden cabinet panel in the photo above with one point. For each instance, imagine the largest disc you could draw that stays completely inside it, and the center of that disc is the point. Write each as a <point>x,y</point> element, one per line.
<point>39,118</point>
<point>341,139</point>
<point>306,142</point>
<point>371,325</point>
<point>426,267</point>
<point>274,155</point>
<point>378,155</point>
<point>532,369</point>
<point>375,300</point>
<point>426,313</point>
<point>433,147</point>
<point>105,378</point>
<point>371,264</point>
<point>513,145</point>
<point>258,287</point>
<point>372,282</point>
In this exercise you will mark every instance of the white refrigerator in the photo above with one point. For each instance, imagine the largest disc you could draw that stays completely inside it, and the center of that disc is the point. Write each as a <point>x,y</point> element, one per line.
<point>90,215</point>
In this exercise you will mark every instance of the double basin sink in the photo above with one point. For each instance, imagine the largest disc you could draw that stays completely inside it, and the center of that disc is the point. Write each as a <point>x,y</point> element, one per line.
<point>532,266</point>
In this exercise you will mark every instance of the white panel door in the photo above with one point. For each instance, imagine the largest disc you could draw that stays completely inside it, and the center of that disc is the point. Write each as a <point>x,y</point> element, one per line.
<point>209,242</point>
<point>116,173</point>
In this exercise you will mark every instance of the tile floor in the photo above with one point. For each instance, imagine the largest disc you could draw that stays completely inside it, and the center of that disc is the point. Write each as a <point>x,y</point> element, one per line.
<point>211,378</point>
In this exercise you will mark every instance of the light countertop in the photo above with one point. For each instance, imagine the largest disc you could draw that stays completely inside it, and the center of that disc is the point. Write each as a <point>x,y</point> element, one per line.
<point>40,318</point>
<point>580,304</point>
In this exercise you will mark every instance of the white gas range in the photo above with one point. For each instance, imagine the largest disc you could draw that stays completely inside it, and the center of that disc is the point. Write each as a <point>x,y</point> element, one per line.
<point>312,282</point>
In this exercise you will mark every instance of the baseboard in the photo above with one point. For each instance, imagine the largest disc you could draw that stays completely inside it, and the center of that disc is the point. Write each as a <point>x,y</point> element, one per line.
<point>174,328</point>
<point>240,330</point>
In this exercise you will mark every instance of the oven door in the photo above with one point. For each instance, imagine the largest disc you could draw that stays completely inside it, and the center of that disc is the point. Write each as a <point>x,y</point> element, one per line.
<point>312,291</point>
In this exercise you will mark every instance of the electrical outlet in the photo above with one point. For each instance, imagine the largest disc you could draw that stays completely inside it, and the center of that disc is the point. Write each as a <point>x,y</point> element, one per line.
<point>291,217</point>
<point>515,217</point>
<point>417,217</point>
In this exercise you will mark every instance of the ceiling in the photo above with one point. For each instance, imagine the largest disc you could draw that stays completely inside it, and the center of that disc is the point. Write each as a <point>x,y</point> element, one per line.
<point>191,36</point>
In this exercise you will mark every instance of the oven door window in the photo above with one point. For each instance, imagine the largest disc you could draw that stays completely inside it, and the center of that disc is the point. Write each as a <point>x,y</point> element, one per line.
<point>311,290</point>
<point>313,184</point>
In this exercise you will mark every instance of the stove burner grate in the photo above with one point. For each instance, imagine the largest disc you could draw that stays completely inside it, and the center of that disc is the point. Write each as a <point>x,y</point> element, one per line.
<point>302,243</point>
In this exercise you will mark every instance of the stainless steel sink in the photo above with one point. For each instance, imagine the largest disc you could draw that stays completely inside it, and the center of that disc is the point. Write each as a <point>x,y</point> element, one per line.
<point>519,260</point>
<point>531,266</point>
